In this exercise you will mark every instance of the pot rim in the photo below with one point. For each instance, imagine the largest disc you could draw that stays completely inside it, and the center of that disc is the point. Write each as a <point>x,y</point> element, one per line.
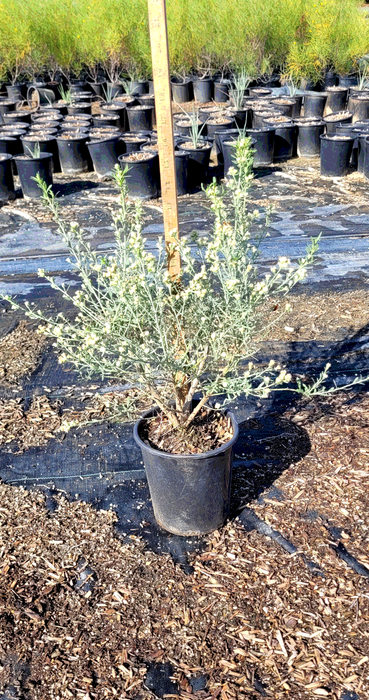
<point>171,455</point>
<point>330,137</point>
<point>23,156</point>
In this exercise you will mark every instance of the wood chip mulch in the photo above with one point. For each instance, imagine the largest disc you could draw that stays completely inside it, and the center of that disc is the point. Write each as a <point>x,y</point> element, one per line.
<point>321,316</point>
<point>44,419</point>
<point>20,353</point>
<point>251,617</point>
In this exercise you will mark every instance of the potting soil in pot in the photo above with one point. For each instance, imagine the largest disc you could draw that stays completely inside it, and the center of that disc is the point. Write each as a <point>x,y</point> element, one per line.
<point>189,145</point>
<point>137,155</point>
<point>337,117</point>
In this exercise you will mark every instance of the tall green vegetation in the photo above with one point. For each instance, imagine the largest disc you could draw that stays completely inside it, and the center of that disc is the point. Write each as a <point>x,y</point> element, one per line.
<point>302,38</point>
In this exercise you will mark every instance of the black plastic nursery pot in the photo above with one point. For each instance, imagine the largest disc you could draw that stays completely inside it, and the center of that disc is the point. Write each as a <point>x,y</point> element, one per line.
<point>133,143</point>
<point>6,178</point>
<point>147,99</point>
<point>17,91</point>
<point>284,141</point>
<point>213,127</point>
<point>9,145</point>
<point>115,89</point>
<point>360,135</point>
<point>258,117</point>
<point>181,166</point>
<point>190,493</point>
<point>139,87</point>
<point>73,153</point>
<point>47,144</point>
<point>331,121</point>
<point>221,91</point>
<point>347,80</point>
<point>314,103</point>
<point>336,100</point>
<point>297,105</point>
<point>285,106</point>
<point>79,108</point>
<point>16,116</point>
<point>104,153</point>
<point>28,168</point>
<point>140,118</point>
<point>263,138</point>
<point>359,106</point>
<point>335,154</point>
<point>229,153</point>
<point>262,93</point>
<point>198,162</point>
<point>142,177</point>
<point>330,79</point>
<point>202,89</point>
<point>5,107</point>
<point>219,136</point>
<point>308,138</point>
<point>346,130</point>
<point>242,116</point>
<point>97,88</point>
<point>102,120</point>
<point>83,97</point>
<point>116,110</point>
<point>77,86</point>
<point>366,157</point>
<point>183,126</point>
<point>182,90</point>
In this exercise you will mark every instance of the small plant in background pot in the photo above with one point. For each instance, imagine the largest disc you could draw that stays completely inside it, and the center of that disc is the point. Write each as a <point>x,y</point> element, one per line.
<point>186,344</point>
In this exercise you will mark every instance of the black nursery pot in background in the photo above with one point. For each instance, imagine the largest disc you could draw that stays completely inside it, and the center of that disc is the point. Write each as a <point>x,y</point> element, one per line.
<point>5,107</point>
<point>98,88</point>
<point>198,162</point>
<point>142,177</point>
<point>314,103</point>
<point>263,146</point>
<point>79,108</point>
<point>133,143</point>
<point>221,135</point>
<point>221,91</point>
<point>332,120</point>
<point>360,135</point>
<point>73,154</point>
<point>347,80</point>
<point>359,106</point>
<point>284,141</point>
<point>308,139</point>
<point>181,165</point>
<point>335,155</point>
<point>336,100</point>
<point>182,90</point>
<point>104,154</point>
<point>140,118</point>
<point>229,153</point>
<point>202,89</point>
<point>28,168</point>
<point>47,144</point>
<point>366,157</point>
<point>6,178</point>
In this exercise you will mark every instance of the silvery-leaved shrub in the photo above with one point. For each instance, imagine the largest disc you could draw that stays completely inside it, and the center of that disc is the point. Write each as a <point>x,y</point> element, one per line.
<point>174,338</point>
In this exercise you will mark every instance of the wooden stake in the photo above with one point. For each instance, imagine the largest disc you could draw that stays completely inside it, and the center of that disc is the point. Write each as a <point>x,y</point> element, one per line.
<point>164,125</point>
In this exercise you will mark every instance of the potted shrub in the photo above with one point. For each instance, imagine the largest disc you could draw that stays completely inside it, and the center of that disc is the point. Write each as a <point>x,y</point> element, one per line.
<point>198,150</point>
<point>31,165</point>
<point>142,171</point>
<point>187,345</point>
<point>181,88</point>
